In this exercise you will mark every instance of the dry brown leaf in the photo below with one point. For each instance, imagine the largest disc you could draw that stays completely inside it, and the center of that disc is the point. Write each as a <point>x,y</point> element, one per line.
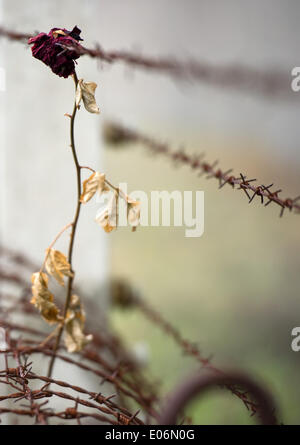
<point>86,91</point>
<point>43,299</point>
<point>95,183</point>
<point>58,32</point>
<point>107,218</point>
<point>57,265</point>
<point>75,339</point>
<point>133,213</point>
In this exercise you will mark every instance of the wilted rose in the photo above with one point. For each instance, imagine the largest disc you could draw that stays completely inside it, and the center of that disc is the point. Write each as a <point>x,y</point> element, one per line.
<point>58,49</point>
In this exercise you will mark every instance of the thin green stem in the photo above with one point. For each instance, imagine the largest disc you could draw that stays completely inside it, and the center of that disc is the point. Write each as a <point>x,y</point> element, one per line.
<point>72,237</point>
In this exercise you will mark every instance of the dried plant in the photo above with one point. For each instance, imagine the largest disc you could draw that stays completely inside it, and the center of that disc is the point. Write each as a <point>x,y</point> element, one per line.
<point>59,50</point>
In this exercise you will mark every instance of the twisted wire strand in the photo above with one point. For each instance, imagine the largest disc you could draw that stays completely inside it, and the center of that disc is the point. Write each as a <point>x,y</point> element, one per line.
<point>115,133</point>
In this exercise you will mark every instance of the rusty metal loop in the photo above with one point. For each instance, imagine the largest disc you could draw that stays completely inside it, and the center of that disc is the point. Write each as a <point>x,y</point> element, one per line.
<point>197,385</point>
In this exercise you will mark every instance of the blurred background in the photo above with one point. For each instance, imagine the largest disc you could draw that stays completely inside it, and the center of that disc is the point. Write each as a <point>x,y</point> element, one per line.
<point>235,290</point>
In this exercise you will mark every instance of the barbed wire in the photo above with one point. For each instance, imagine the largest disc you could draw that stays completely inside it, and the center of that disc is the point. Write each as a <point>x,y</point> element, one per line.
<point>18,377</point>
<point>124,296</point>
<point>196,385</point>
<point>122,373</point>
<point>106,358</point>
<point>269,83</point>
<point>24,375</point>
<point>115,134</point>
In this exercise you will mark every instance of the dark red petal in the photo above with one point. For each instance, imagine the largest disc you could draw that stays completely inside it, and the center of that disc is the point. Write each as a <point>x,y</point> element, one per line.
<point>58,52</point>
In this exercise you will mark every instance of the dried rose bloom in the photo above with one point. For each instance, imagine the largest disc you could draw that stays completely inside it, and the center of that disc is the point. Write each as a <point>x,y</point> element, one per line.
<point>52,49</point>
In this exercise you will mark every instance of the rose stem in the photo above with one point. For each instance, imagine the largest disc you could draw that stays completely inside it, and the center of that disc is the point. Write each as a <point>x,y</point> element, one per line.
<point>72,236</point>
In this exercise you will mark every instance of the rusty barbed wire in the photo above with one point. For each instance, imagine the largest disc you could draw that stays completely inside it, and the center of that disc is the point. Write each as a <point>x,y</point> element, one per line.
<point>114,376</point>
<point>17,258</point>
<point>124,376</point>
<point>13,35</point>
<point>18,377</point>
<point>196,385</point>
<point>109,406</point>
<point>118,369</point>
<point>117,134</point>
<point>123,295</point>
<point>269,83</point>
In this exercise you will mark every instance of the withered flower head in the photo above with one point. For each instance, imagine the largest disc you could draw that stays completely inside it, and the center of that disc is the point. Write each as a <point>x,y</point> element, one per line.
<point>52,49</point>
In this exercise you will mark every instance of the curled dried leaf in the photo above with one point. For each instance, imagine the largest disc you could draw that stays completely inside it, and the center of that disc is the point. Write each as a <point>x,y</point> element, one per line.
<point>86,92</point>
<point>133,213</point>
<point>43,299</point>
<point>57,265</point>
<point>58,32</point>
<point>75,339</point>
<point>107,218</point>
<point>95,183</point>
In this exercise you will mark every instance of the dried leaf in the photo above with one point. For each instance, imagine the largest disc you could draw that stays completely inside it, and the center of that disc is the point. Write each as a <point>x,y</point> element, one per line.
<point>86,91</point>
<point>133,213</point>
<point>107,218</point>
<point>95,183</point>
<point>75,339</point>
<point>58,32</point>
<point>43,299</point>
<point>57,265</point>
